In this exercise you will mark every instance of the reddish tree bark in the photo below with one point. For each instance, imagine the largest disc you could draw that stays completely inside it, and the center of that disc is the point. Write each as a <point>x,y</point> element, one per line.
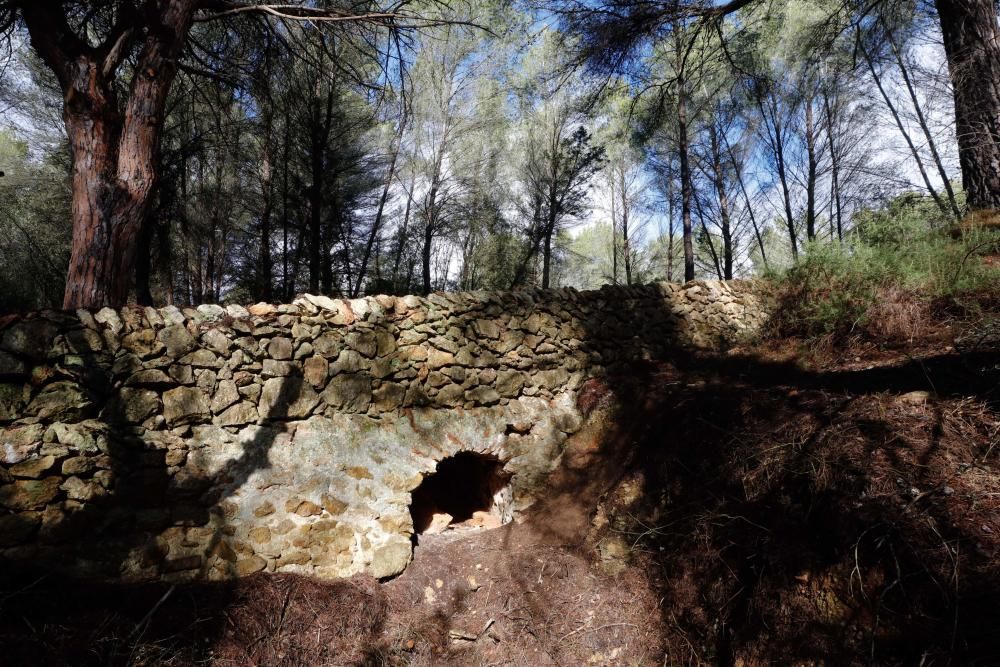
<point>115,148</point>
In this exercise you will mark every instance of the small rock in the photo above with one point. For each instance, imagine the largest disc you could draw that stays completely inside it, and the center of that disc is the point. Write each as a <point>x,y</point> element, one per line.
<point>316,369</point>
<point>238,415</point>
<point>439,523</point>
<point>287,398</point>
<point>915,397</point>
<point>137,404</point>
<point>350,393</point>
<point>78,489</point>
<point>17,528</point>
<point>217,341</point>
<point>225,395</point>
<point>177,340</point>
<point>210,312</point>
<point>29,494</point>
<point>247,566</point>
<point>185,405</point>
<point>280,349</point>
<point>33,468</point>
<point>390,559</point>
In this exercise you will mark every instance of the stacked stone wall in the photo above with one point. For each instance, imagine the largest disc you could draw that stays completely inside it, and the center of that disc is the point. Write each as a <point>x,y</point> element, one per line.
<point>214,442</point>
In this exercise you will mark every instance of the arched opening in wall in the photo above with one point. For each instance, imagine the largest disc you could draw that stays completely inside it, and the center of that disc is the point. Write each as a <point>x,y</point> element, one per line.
<point>467,491</point>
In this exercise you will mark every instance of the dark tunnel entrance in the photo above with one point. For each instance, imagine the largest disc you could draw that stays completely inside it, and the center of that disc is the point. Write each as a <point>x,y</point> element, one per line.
<point>467,490</point>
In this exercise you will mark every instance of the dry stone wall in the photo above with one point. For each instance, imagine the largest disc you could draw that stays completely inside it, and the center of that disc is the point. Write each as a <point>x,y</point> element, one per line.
<point>213,442</point>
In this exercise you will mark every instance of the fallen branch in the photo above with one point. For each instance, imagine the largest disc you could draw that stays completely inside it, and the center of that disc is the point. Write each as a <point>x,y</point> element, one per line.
<point>584,628</point>
<point>141,625</point>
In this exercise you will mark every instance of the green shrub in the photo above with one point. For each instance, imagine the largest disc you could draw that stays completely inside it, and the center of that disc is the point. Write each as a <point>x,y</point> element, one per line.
<point>889,274</point>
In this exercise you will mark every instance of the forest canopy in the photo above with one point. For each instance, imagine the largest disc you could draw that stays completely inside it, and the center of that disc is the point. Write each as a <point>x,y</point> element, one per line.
<point>190,151</point>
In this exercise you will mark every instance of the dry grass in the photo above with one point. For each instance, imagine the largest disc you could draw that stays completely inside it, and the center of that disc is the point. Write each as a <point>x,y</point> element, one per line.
<point>898,316</point>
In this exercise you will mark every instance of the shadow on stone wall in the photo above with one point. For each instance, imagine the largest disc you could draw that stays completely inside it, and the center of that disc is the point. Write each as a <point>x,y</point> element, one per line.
<point>103,496</point>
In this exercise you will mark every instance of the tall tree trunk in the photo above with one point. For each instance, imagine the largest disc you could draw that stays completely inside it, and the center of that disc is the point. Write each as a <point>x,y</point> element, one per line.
<point>834,166</point>
<point>426,256</point>
<point>208,282</point>
<point>401,236</point>
<point>431,212</point>
<point>322,121</point>
<point>546,257</point>
<point>670,222</point>
<point>377,223</point>
<point>687,188</point>
<point>902,127</point>
<point>108,212</point>
<point>708,240</point>
<point>720,192</point>
<point>811,171</point>
<point>972,46</point>
<point>535,240</point>
<point>264,263</point>
<point>553,211</point>
<point>143,295</point>
<point>779,155</point>
<point>922,120</point>
<point>331,231</point>
<point>300,243</point>
<point>746,197</point>
<point>164,262</point>
<point>614,233</point>
<point>285,287</point>
<point>315,237</point>
<point>626,251</point>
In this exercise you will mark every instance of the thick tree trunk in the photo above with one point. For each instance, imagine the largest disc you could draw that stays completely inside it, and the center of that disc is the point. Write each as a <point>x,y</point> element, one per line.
<point>107,218</point>
<point>115,157</point>
<point>972,46</point>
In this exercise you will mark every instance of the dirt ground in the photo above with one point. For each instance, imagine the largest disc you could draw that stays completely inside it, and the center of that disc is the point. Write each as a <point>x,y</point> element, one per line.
<point>770,505</point>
